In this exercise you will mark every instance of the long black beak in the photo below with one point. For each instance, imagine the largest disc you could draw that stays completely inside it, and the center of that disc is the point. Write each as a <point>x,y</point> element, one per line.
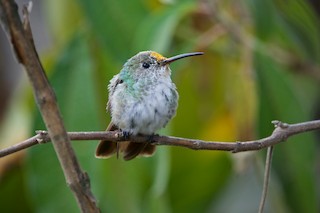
<point>177,57</point>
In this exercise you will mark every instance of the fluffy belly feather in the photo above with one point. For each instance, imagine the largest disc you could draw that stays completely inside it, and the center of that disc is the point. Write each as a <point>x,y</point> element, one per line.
<point>146,114</point>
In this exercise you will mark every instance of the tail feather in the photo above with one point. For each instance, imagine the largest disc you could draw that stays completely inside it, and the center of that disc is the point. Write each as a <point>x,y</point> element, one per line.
<point>133,150</point>
<point>130,150</point>
<point>148,150</point>
<point>106,148</point>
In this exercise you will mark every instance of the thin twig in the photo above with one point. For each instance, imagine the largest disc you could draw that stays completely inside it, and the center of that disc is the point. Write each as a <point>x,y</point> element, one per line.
<point>281,133</point>
<point>21,39</point>
<point>266,179</point>
<point>20,146</point>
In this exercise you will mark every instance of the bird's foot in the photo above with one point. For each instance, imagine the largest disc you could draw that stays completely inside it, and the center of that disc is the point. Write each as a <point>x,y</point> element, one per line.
<point>151,137</point>
<point>126,135</point>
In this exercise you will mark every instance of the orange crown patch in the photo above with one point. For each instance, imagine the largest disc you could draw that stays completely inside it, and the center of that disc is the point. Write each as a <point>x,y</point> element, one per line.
<point>158,56</point>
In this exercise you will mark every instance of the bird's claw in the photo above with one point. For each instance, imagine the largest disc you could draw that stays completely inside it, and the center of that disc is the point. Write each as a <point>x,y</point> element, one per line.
<point>151,137</point>
<point>126,135</point>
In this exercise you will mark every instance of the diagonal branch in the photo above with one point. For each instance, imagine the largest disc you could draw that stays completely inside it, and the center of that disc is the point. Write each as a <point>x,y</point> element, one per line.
<point>21,39</point>
<point>281,132</point>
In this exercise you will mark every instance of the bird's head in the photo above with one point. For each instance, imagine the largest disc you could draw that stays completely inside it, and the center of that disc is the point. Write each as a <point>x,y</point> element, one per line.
<point>150,62</point>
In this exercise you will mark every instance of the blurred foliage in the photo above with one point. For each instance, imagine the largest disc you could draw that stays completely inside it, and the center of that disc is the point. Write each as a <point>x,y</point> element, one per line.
<point>261,63</point>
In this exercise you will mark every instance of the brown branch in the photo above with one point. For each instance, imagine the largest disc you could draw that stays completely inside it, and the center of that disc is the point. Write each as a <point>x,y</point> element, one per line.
<point>20,36</point>
<point>281,133</point>
<point>266,179</point>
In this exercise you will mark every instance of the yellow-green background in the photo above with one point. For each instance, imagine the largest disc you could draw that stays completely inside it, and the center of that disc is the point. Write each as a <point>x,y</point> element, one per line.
<point>261,63</point>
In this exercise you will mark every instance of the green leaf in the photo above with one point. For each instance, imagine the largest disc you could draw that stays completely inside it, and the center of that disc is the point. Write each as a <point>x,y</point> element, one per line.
<point>13,191</point>
<point>113,23</point>
<point>157,29</point>
<point>301,26</point>
<point>295,160</point>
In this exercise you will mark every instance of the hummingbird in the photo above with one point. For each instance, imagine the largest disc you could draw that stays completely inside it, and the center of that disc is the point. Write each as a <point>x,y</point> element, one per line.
<point>142,100</point>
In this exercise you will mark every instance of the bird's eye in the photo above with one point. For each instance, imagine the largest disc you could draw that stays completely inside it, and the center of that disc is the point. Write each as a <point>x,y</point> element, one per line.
<point>146,65</point>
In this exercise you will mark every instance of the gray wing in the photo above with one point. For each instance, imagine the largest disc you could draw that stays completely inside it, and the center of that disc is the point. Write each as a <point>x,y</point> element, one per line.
<point>114,82</point>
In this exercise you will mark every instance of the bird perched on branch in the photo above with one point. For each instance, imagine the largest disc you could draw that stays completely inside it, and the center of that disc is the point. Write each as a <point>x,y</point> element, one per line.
<point>142,100</point>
